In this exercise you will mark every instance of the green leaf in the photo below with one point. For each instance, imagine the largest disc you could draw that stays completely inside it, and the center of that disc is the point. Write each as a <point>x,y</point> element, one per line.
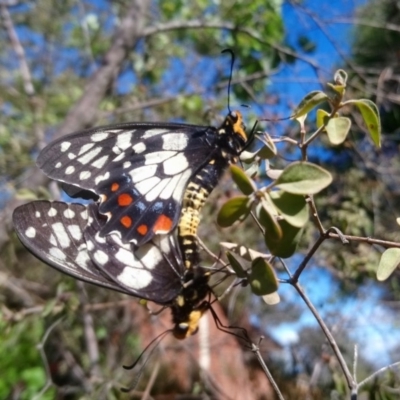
<point>268,150</point>
<point>233,210</point>
<point>262,278</point>
<point>303,178</point>
<point>287,245</point>
<point>244,183</point>
<point>310,101</point>
<point>292,207</point>
<point>337,129</point>
<point>236,263</point>
<point>322,117</point>
<point>266,216</point>
<point>390,260</point>
<point>370,114</point>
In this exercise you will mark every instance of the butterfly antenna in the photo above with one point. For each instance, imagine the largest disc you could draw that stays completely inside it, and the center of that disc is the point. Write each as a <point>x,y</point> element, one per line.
<point>230,75</point>
<point>155,342</point>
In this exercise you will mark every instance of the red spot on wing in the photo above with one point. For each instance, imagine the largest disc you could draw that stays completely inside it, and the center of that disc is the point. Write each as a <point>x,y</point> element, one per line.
<point>163,224</point>
<point>114,187</point>
<point>124,199</point>
<point>142,229</point>
<point>126,221</point>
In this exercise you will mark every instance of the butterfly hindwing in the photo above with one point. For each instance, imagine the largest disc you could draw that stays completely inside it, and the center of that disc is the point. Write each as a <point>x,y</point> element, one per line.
<point>66,237</point>
<point>53,232</point>
<point>152,271</point>
<point>139,171</point>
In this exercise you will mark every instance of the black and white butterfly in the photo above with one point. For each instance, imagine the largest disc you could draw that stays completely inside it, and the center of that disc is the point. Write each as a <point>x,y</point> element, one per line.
<point>141,172</point>
<point>67,237</point>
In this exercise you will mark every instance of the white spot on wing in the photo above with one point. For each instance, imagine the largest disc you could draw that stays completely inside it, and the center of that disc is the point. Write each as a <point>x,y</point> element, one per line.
<point>180,187</point>
<point>126,164</point>
<point>153,132</point>
<point>53,240</point>
<point>58,165</point>
<point>84,214</point>
<point>100,257</point>
<point>61,235</point>
<point>84,175</point>
<point>99,239</point>
<point>145,186</point>
<point>158,157</point>
<point>134,278</point>
<point>102,177</point>
<point>71,156</point>
<point>68,213</point>
<point>86,147</point>
<point>174,141</point>
<point>149,255</point>
<point>75,232</point>
<point>30,232</point>
<point>126,257</point>
<point>65,146</point>
<point>57,253</point>
<point>82,259</point>
<point>124,140</point>
<point>37,214</point>
<point>52,212</point>
<point>99,136</point>
<point>119,157</point>
<point>147,171</point>
<point>175,165</point>
<point>100,162</point>
<point>167,192</point>
<point>70,170</point>
<point>154,193</point>
<point>139,147</point>
<point>86,158</point>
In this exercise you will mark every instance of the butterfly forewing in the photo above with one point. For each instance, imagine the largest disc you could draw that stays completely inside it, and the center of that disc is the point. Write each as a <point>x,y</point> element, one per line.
<point>139,171</point>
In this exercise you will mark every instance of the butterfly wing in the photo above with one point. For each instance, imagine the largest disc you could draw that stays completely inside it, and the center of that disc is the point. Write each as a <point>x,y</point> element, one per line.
<point>139,171</point>
<point>53,232</point>
<point>65,236</point>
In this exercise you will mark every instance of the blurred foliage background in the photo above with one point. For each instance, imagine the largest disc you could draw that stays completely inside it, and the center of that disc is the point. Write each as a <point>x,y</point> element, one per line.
<point>66,66</point>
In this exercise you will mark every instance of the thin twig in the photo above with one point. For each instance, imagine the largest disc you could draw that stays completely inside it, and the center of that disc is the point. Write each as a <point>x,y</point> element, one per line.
<point>255,349</point>
<point>331,340</point>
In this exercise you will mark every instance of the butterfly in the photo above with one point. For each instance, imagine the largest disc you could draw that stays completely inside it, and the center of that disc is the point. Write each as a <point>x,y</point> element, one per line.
<point>146,176</point>
<point>67,237</point>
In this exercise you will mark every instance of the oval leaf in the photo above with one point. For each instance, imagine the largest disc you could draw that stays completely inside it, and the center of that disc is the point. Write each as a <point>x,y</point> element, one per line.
<point>370,114</point>
<point>303,178</point>
<point>233,210</point>
<point>390,260</point>
<point>262,278</point>
<point>236,265</point>
<point>244,183</point>
<point>287,245</point>
<point>268,150</point>
<point>337,129</point>
<point>322,117</point>
<point>292,207</point>
<point>310,101</point>
<point>268,221</point>
<point>272,299</point>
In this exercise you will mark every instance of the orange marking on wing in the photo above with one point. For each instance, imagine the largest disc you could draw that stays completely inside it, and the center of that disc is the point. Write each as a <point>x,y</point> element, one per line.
<point>124,199</point>
<point>142,229</point>
<point>126,221</point>
<point>114,187</point>
<point>163,224</point>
